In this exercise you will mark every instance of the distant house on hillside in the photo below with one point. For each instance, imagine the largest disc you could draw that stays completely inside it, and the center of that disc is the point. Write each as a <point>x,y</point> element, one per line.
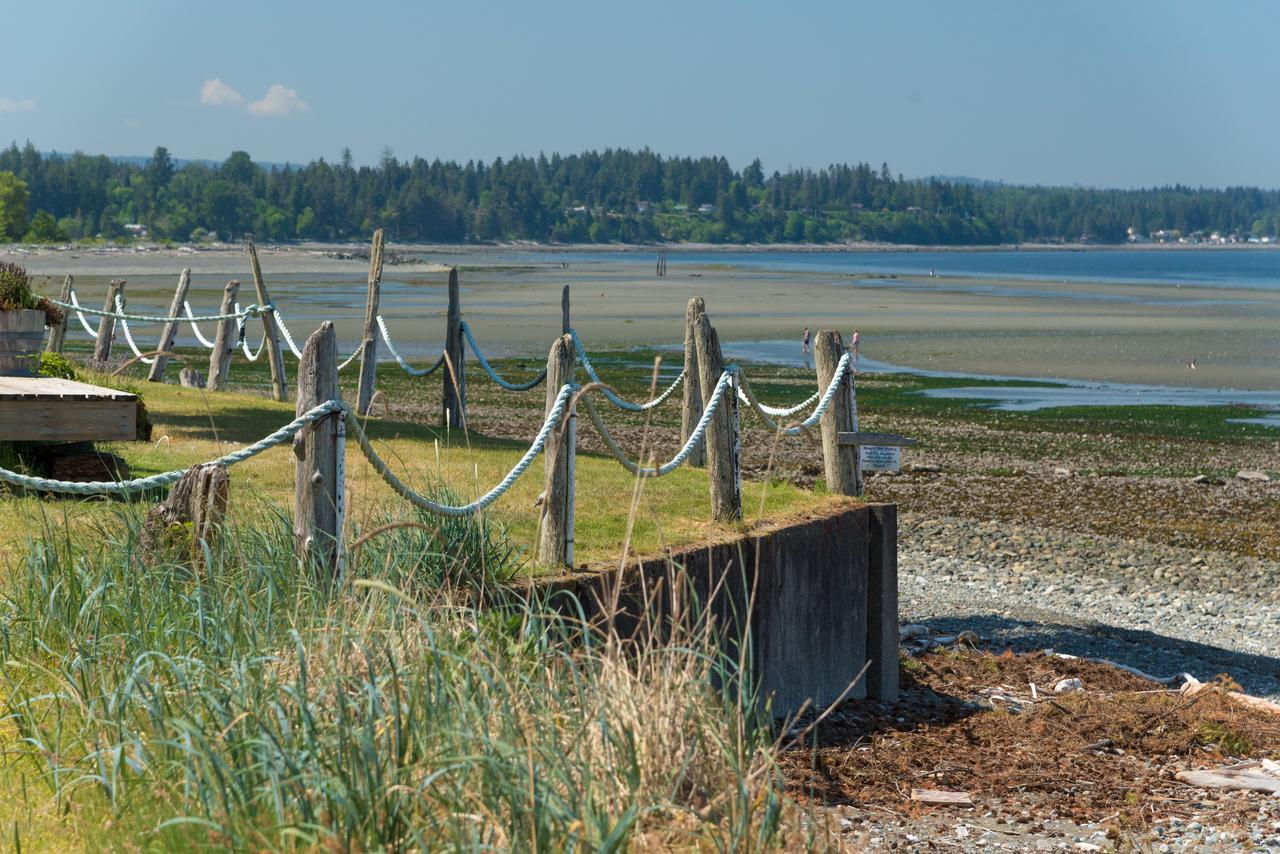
<point>136,229</point>
<point>706,208</point>
<point>1136,237</point>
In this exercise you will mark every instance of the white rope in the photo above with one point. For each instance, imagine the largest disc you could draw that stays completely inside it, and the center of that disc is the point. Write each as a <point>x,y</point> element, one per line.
<point>288,339</point>
<point>380,466</point>
<point>244,344</point>
<point>204,342</point>
<point>842,368</point>
<point>695,438</point>
<point>493,375</point>
<point>250,311</point>
<point>342,365</point>
<point>608,392</point>
<point>777,411</point>
<point>125,487</point>
<point>75,306</point>
<point>405,366</point>
<point>128,336</point>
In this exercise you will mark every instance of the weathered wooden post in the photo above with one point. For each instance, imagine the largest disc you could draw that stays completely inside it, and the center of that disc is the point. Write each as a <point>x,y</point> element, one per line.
<point>564,311</point>
<point>58,332</point>
<point>555,539</point>
<point>107,325</point>
<point>317,494</point>
<point>224,342</point>
<point>170,331</point>
<point>692,410</point>
<point>840,460</point>
<point>270,329</point>
<point>721,438</point>
<point>455,374</point>
<point>369,345</point>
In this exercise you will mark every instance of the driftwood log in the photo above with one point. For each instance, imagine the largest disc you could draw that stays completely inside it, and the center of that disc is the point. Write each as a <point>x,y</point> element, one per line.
<point>194,511</point>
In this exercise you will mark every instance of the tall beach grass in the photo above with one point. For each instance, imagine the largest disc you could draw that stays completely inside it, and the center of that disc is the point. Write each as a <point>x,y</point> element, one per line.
<point>417,702</point>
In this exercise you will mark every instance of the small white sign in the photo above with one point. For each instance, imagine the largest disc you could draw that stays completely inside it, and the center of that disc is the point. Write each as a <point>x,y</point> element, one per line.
<point>880,457</point>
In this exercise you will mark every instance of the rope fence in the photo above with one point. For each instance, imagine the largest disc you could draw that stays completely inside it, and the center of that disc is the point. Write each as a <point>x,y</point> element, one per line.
<point>710,432</point>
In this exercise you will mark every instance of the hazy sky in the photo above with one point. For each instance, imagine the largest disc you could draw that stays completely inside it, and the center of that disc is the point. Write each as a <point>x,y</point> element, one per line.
<point>1098,93</point>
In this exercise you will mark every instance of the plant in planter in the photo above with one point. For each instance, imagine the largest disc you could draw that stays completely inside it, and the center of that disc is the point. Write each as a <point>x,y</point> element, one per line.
<point>23,317</point>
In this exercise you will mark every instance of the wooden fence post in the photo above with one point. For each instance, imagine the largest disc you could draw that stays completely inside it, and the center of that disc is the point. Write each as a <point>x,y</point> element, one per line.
<point>455,374</point>
<point>317,492</point>
<point>224,342</point>
<point>270,331</point>
<point>840,461</point>
<point>721,437</point>
<point>107,325</point>
<point>369,345</point>
<point>58,332</point>
<point>564,311</point>
<point>692,410</point>
<point>555,539</point>
<point>170,331</point>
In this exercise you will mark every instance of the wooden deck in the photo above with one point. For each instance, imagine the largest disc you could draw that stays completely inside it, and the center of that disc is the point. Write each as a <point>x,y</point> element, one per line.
<point>54,410</point>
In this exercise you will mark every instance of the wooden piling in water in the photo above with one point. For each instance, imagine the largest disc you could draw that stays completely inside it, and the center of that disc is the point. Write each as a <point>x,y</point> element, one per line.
<point>721,438</point>
<point>840,461</point>
<point>170,331</point>
<point>270,331</point>
<point>317,492</point>
<point>454,399</point>
<point>224,342</point>
<point>555,534</point>
<point>564,311</point>
<point>58,332</point>
<point>107,325</point>
<point>692,407</point>
<point>369,344</point>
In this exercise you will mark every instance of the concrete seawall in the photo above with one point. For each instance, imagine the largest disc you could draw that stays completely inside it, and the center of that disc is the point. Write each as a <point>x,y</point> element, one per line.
<point>815,599</point>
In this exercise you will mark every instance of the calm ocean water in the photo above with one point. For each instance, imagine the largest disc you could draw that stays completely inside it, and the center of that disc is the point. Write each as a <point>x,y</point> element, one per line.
<point>1227,268</point>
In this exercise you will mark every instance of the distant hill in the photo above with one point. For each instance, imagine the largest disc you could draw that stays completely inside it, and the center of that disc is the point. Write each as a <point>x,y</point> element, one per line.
<point>178,162</point>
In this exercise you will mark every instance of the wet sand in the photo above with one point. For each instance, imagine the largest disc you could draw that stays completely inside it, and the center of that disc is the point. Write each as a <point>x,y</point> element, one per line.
<point>1086,331</point>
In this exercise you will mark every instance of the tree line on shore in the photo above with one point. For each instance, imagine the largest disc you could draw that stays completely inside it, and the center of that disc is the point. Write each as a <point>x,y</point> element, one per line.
<point>595,197</point>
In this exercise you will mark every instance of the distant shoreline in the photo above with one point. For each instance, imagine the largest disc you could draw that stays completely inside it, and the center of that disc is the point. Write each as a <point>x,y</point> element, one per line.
<point>12,250</point>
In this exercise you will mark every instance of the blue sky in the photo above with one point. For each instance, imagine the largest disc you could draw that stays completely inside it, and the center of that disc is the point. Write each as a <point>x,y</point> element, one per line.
<point>1095,93</point>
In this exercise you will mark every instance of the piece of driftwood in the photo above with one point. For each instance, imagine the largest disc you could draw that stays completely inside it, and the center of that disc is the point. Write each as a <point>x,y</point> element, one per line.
<point>270,330</point>
<point>1250,776</point>
<point>58,331</point>
<point>555,533</point>
<point>170,331</point>
<point>369,343</point>
<point>107,326</point>
<point>224,343</point>
<point>315,448</point>
<point>454,400</point>
<point>190,377</point>
<point>692,409</point>
<point>194,511</point>
<point>721,438</point>
<point>840,460</point>
<point>940,797</point>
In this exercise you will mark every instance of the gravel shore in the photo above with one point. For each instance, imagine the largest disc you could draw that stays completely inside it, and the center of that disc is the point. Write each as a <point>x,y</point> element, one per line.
<point>1161,609</point>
